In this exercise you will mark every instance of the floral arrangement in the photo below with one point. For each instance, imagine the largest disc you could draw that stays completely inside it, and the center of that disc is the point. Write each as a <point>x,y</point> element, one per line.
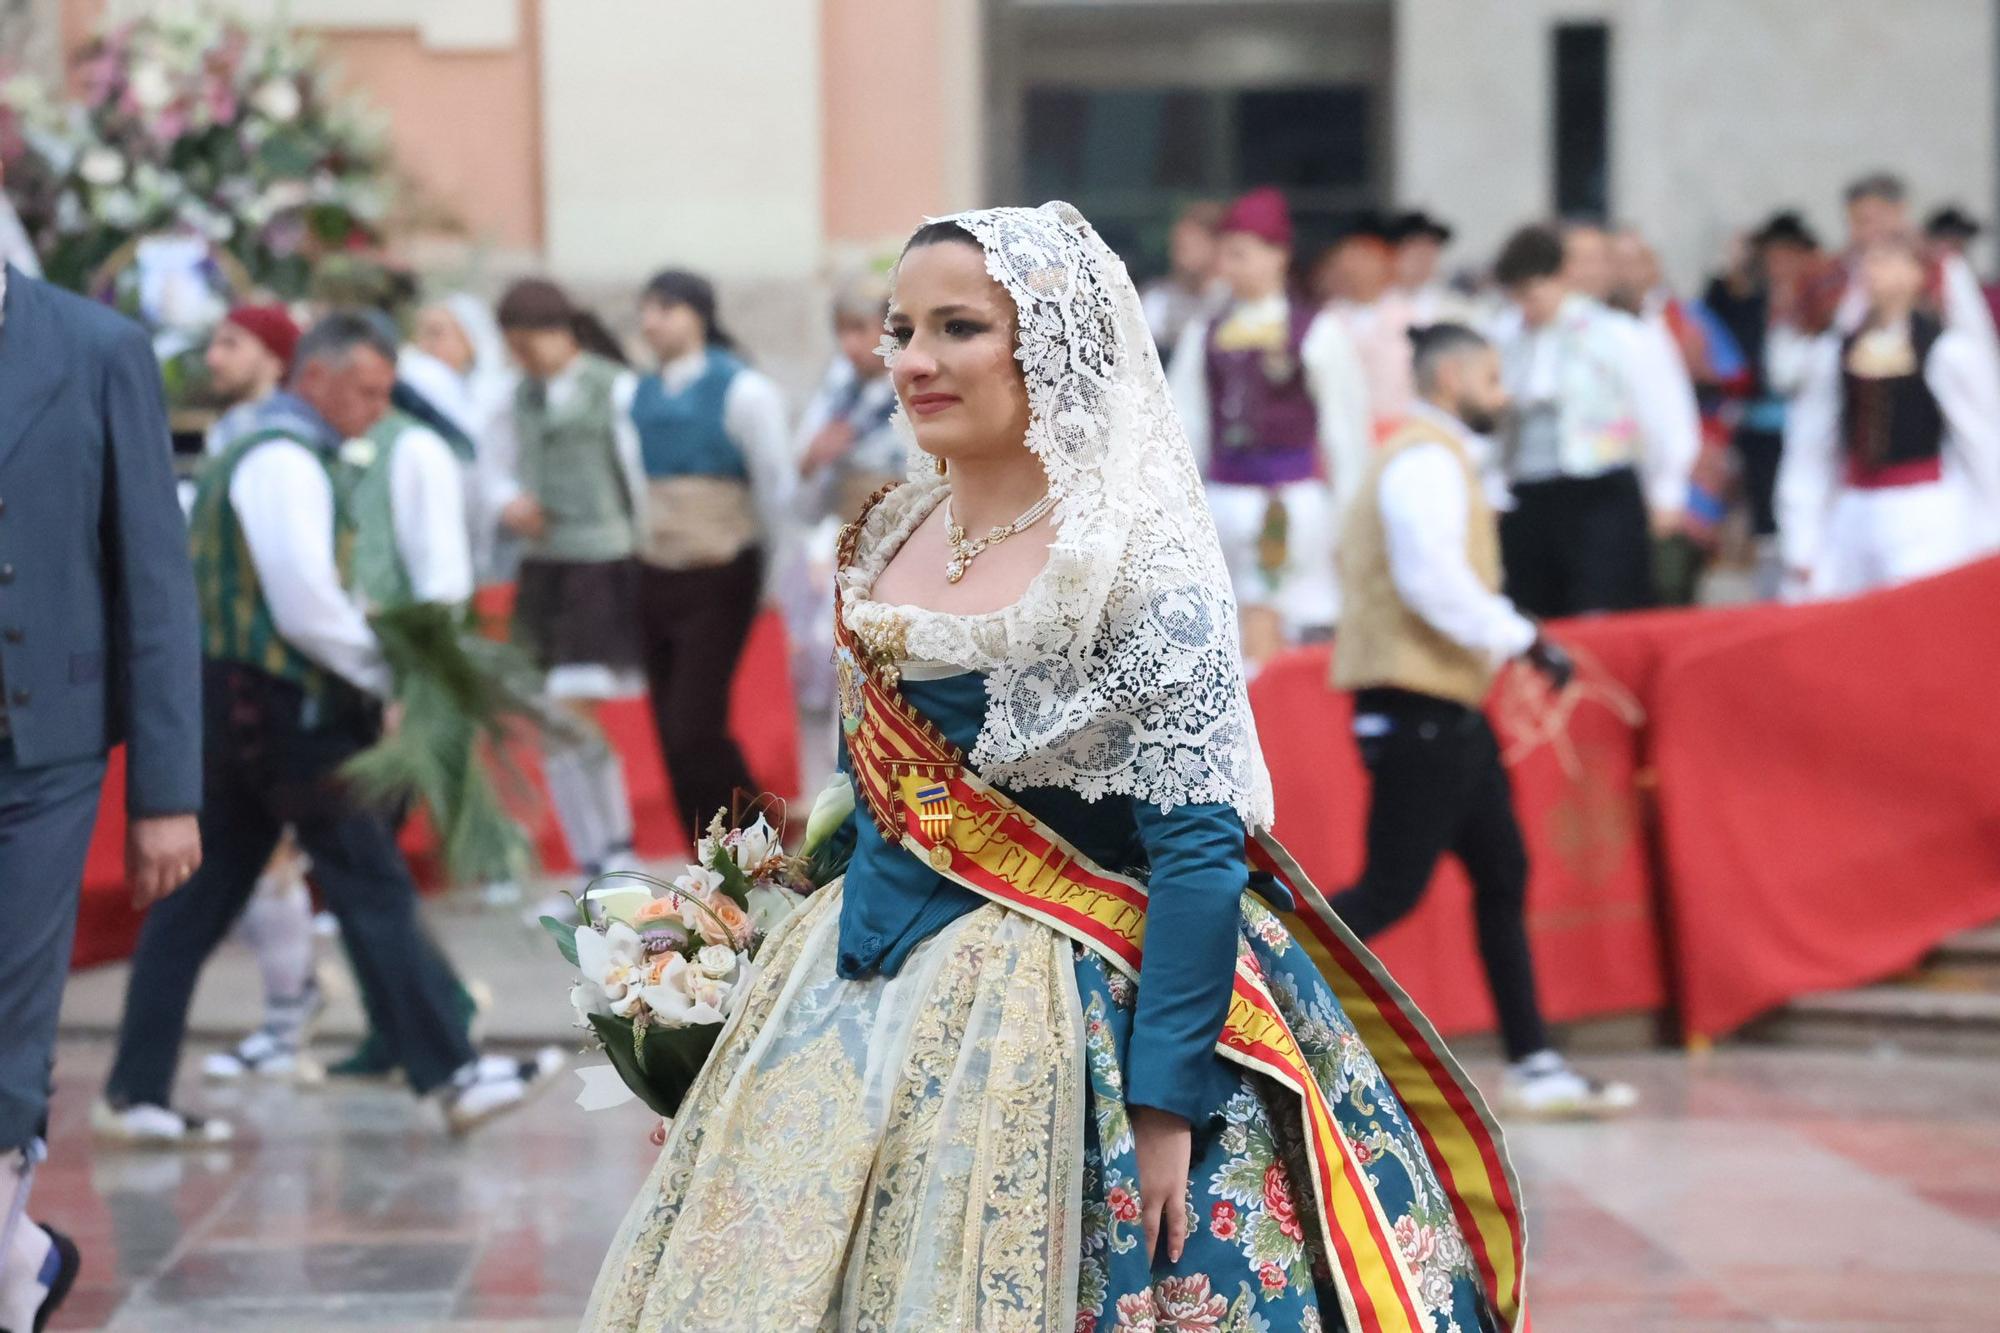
<point>665,965</point>
<point>195,126</point>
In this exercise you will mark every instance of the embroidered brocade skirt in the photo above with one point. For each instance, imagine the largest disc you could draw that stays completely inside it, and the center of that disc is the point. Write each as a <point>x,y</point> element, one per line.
<point>949,1148</point>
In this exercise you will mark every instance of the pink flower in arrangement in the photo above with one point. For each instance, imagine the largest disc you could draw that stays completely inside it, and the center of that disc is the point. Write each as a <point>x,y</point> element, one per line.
<point>1272,1279</point>
<point>1363,1154</point>
<point>1086,1321</point>
<point>1278,1202</point>
<point>1124,1204</point>
<point>1188,1305</point>
<point>1222,1221</point>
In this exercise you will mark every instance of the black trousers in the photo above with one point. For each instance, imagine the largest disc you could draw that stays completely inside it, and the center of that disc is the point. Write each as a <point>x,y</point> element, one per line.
<point>1436,785</point>
<point>692,625</point>
<point>46,814</point>
<point>270,759</point>
<point>1575,545</point>
<point>1760,452</point>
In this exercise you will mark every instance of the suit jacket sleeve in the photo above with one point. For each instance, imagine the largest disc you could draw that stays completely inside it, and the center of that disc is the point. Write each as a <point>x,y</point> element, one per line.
<point>149,585</point>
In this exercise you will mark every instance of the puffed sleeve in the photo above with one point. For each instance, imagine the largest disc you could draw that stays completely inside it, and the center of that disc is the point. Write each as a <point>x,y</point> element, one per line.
<point>1195,896</point>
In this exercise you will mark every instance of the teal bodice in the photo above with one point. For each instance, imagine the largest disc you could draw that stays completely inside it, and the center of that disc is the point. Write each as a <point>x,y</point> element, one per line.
<point>1192,858</point>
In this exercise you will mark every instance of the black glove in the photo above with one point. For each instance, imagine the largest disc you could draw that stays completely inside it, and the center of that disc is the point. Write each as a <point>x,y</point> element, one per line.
<point>1552,660</point>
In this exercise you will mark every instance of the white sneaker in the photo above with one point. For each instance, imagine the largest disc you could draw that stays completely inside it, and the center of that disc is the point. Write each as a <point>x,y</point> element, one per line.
<point>148,1126</point>
<point>493,1085</point>
<point>262,1055</point>
<point>1545,1087</point>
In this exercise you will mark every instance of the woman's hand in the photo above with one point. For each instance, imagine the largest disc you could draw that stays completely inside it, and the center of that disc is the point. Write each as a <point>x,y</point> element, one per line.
<point>523,517</point>
<point>1165,1145</point>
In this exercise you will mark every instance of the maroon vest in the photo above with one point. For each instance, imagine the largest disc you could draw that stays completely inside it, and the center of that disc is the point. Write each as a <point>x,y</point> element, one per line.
<point>1263,424</point>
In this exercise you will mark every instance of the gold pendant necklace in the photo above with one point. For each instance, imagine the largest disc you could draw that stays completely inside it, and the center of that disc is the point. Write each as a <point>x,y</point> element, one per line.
<point>963,552</point>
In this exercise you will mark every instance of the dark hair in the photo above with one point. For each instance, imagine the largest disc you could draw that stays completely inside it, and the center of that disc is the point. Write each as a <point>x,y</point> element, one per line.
<point>938,233</point>
<point>535,303</point>
<point>1532,252</point>
<point>336,336</point>
<point>594,337</point>
<point>1884,185</point>
<point>1434,344</point>
<point>678,286</point>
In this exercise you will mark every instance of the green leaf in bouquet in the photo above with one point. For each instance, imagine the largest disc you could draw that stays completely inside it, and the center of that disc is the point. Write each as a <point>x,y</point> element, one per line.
<point>734,882</point>
<point>564,934</point>
<point>673,1057</point>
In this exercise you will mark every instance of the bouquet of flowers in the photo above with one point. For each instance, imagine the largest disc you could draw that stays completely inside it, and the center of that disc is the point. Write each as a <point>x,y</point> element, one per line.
<point>196,126</point>
<point>666,964</point>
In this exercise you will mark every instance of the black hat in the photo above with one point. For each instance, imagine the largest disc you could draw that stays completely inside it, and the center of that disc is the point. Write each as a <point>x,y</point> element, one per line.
<point>1952,222</point>
<point>1786,228</point>
<point>1366,225</point>
<point>1416,223</point>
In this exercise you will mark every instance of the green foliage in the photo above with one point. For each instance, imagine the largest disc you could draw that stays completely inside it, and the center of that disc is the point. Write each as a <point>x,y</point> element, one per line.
<point>657,1063</point>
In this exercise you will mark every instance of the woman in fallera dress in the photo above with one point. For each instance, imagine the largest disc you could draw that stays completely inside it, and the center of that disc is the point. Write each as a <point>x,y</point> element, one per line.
<point>960,1094</point>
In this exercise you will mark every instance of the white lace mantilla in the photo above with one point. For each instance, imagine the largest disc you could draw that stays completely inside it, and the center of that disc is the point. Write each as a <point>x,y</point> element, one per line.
<point>1118,670</point>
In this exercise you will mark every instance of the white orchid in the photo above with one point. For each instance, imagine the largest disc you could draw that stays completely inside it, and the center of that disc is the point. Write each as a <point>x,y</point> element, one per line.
<point>613,961</point>
<point>278,100</point>
<point>101,165</point>
<point>755,846</point>
<point>152,87</point>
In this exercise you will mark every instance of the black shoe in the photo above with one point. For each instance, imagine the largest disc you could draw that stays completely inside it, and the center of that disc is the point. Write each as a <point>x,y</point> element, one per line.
<point>68,1261</point>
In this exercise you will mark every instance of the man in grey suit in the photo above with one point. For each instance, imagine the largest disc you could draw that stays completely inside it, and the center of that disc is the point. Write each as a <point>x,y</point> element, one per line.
<point>98,644</point>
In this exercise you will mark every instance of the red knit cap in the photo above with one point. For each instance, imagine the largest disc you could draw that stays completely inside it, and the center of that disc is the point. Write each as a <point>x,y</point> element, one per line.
<point>1263,214</point>
<point>270,325</point>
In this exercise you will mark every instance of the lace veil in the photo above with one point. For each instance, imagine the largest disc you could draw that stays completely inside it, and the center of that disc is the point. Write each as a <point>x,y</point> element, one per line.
<point>1117,672</point>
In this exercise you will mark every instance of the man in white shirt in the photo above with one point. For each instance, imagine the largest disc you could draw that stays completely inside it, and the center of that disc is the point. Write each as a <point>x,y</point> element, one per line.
<point>295,685</point>
<point>1425,633</point>
<point>1420,242</point>
<point>1600,442</point>
<point>1272,398</point>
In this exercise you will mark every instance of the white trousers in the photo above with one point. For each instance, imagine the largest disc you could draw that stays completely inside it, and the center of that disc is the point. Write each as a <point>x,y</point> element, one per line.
<point>1303,591</point>
<point>1878,538</point>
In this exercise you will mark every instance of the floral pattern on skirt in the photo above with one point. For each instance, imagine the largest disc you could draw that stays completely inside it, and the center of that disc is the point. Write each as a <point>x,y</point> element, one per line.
<point>950,1148</point>
<point>1253,1260</point>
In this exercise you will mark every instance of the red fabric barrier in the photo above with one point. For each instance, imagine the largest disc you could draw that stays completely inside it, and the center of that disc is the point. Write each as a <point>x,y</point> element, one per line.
<point>1830,791</point>
<point>1592,916</point>
<point>762,717</point>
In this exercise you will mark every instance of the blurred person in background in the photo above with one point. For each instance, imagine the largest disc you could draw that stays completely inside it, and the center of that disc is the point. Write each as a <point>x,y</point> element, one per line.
<point>248,357</point>
<point>574,495</point>
<point>457,359</point>
<point>848,448</point>
<point>1598,450</point>
<point>294,685</point>
<point>1702,371</point>
<point>1377,316</point>
<point>1420,242</point>
<point>1878,209</point>
<point>1192,288</point>
<point>1424,635</point>
<point>719,475</point>
<point>1755,298</point>
<point>1891,466</point>
<point>1272,397</point>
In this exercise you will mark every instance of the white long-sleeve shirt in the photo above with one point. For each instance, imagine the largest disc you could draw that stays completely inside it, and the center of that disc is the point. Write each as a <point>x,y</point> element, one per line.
<point>1966,383</point>
<point>427,510</point>
<point>284,504</point>
<point>499,463</point>
<point>1425,507</point>
<point>1333,376</point>
<point>1647,363</point>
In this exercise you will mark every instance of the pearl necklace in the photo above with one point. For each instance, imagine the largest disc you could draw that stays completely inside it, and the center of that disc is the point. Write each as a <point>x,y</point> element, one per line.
<point>963,552</point>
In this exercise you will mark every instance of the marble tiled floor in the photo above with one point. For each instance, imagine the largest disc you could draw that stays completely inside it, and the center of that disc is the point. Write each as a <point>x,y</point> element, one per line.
<point>1758,1190</point>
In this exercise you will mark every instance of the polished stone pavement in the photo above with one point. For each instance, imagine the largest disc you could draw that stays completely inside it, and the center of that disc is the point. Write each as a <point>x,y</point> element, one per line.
<point>1759,1189</point>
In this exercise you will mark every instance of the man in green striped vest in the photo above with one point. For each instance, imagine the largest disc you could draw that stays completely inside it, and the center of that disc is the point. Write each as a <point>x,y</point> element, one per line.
<point>294,685</point>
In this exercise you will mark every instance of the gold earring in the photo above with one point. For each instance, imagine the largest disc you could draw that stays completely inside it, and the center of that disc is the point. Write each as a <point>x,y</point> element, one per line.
<point>937,464</point>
